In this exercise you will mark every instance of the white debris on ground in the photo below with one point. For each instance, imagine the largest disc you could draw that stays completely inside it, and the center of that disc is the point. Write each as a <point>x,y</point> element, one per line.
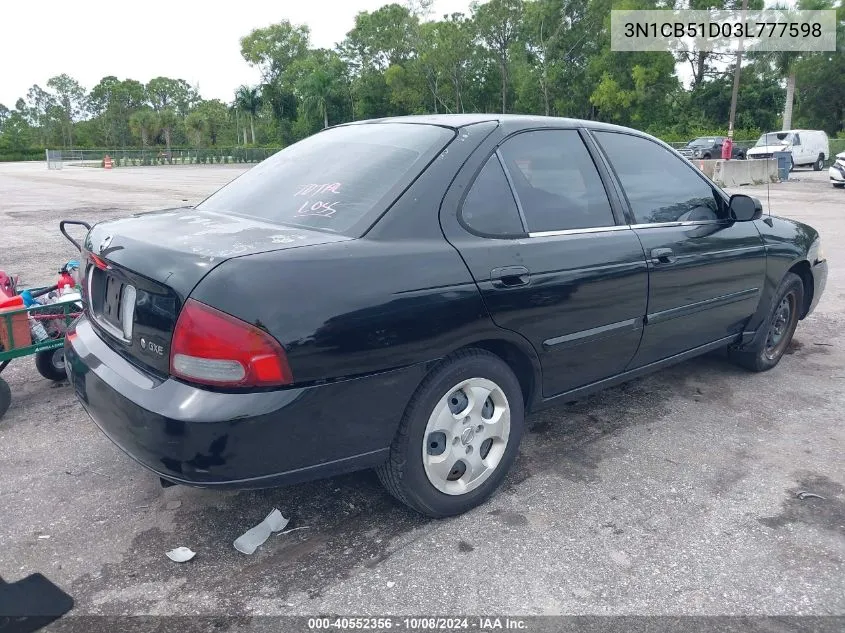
<point>181,555</point>
<point>250,540</point>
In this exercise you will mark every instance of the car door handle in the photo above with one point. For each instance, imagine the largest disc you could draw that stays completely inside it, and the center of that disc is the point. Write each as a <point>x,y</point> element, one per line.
<point>510,276</point>
<point>662,255</point>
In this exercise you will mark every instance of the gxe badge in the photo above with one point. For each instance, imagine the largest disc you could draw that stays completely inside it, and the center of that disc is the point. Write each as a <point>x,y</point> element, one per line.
<point>153,348</point>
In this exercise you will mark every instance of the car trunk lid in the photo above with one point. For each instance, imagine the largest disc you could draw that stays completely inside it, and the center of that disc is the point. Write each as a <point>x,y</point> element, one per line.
<point>141,270</point>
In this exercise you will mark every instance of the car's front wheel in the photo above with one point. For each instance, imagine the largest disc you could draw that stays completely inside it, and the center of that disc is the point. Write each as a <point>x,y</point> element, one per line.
<point>459,435</point>
<point>768,349</point>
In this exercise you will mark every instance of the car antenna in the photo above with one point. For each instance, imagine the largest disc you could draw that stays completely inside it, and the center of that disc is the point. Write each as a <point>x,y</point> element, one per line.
<point>768,185</point>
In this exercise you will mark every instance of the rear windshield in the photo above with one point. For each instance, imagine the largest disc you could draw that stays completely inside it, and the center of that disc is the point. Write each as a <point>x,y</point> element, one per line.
<point>340,180</point>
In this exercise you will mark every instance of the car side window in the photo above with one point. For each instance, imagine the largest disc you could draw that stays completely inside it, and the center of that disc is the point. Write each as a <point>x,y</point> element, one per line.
<point>556,181</point>
<point>489,207</point>
<point>660,187</point>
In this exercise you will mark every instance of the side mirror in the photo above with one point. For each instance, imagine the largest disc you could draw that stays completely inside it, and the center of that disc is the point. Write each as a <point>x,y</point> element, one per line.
<point>745,208</point>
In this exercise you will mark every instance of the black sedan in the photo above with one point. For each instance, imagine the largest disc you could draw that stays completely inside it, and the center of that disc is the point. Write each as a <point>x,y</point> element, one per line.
<point>707,147</point>
<point>398,293</point>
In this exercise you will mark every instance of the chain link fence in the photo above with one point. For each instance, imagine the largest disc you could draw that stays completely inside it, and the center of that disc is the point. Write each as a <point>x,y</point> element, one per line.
<point>57,159</point>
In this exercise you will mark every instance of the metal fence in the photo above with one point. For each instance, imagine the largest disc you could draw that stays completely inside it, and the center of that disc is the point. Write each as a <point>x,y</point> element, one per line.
<point>56,159</point>
<point>737,143</point>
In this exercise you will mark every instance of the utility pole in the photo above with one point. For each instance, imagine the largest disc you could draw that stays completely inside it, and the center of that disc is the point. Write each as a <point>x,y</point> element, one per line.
<point>736,77</point>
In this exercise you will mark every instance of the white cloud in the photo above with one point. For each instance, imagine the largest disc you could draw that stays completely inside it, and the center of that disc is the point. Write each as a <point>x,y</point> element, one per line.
<point>194,40</point>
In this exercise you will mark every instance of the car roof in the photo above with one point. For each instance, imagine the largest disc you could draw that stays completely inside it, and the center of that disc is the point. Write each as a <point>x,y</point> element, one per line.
<point>461,120</point>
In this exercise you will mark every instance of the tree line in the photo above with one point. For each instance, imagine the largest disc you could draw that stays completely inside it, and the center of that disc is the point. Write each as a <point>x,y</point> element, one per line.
<point>549,57</point>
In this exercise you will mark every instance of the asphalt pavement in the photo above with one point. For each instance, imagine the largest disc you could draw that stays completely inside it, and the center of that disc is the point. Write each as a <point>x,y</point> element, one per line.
<point>675,494</point>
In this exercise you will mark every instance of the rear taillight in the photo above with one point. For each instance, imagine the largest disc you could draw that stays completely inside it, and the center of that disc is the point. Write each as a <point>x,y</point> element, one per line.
<point>215,348</point>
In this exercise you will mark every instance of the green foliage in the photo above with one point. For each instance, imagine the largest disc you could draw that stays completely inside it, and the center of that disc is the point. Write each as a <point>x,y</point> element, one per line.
<point>274,48</point>
<point>524,56</point>
<point>144,124</point>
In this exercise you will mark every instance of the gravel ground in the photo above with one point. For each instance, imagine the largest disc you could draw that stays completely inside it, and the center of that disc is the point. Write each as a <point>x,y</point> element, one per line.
<point>674,494</point>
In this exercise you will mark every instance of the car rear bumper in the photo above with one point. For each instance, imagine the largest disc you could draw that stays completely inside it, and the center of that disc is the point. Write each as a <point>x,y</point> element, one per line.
<point>203,438</point>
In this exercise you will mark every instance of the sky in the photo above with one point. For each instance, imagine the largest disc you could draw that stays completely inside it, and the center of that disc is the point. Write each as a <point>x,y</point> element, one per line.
<point>195,40</point>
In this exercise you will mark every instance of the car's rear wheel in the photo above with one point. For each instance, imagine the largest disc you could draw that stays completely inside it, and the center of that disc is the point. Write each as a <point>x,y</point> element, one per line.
<point>459,435</point>
<point>768,349</point>
<point>819,164</point>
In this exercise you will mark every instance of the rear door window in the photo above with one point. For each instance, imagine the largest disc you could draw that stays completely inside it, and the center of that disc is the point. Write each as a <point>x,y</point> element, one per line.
<point>489,208</point>
<point>340,180</point>
<point>556,181</point>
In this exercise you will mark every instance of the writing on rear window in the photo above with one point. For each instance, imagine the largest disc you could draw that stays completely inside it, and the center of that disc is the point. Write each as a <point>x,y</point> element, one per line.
<point>311,189</point>
<point>320,208</point>
<point>340,180</point>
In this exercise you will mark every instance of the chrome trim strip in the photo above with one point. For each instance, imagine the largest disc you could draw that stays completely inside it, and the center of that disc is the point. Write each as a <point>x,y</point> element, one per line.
<point>686,223</point>
<point>596,333</point>
<point>623,227</point>
<point>597,229</point>
<point>108,327</point>
<point>685,310</point>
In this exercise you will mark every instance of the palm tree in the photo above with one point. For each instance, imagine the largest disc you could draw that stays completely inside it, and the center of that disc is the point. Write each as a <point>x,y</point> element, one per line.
<point>248,100</point>
<point>316,91</point>
<point>144,123</point>
<point>785,62</point>
<point>167,122</point>
<point>195,122</point>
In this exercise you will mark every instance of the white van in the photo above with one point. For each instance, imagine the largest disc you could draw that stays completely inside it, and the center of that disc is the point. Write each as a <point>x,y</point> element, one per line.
<point>808,147</point>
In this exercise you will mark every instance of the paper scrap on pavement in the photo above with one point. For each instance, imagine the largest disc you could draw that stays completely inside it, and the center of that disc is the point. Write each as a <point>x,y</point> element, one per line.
<point>250,540</point>
<point>180,555</point>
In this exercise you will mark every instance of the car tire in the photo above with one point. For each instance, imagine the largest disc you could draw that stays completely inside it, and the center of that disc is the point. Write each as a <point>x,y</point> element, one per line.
<point>741,156</point>
<point>5,397</point>
<point>839,185</point>
<point>478,441</point>
<point>791,164</point>
<point>51,364</point>
<point>767,350</point>
<point>819,164</point>
<point>705,156</point>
